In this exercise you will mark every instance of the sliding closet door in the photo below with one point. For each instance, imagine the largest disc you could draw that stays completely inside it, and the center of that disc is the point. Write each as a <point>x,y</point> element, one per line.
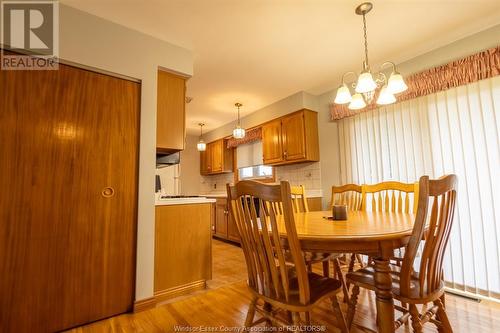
<point>68,199</point>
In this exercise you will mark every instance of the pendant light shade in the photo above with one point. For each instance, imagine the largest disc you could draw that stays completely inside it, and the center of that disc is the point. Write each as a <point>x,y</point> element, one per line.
<point>396,83</point>
<point>365,83</point>
<point>357,102</point>
<point>343,95</point>
<point>238,132</point>
<point>385,97</point>
<point>201,145</point>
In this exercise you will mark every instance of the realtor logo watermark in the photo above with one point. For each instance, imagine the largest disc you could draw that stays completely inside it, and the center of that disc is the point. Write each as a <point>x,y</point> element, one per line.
<point>30,28</point>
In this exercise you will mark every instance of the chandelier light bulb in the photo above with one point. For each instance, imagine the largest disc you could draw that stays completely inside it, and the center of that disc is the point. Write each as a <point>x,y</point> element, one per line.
<point>343,95</point>
<point>396,83</point>
<point>357,102</point>
<point>385,97</point>
<point>365,83</point>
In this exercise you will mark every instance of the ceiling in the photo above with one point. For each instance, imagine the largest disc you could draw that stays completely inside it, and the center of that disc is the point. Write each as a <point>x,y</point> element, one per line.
<point>259,51</point>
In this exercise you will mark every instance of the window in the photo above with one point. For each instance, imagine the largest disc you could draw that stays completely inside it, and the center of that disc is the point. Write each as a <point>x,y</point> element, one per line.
<point>257,172</point>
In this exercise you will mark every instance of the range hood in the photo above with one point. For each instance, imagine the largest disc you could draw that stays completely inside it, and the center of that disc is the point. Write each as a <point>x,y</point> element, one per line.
<point>164,160</point>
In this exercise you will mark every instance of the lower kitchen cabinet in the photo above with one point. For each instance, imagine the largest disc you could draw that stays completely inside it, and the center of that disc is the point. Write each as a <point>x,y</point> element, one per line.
<point>225,227</point>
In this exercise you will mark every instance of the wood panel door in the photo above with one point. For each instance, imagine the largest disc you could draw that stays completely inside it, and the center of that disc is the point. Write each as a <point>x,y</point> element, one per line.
<point>272,144</point>
<point>293,133</point>
<point>205,162</point>
<point>171,115</point>
<point>68,205</point>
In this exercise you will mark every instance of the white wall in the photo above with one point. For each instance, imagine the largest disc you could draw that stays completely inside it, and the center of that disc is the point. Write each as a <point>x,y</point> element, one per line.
<point>190,178</point>
<point>91,41</point>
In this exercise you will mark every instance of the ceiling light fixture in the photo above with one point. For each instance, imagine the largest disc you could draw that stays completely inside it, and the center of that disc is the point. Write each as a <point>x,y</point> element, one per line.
<point>201,145</point>
<point>238,132</point>
<point>365,85</point>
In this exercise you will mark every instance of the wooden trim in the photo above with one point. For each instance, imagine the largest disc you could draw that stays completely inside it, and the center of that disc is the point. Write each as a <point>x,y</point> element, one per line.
<point>144,304</point>
<point>164,295</point>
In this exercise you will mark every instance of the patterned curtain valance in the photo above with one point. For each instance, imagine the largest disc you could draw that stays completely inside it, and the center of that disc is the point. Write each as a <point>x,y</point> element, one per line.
<point>252,135</point>
<point>470,69</point>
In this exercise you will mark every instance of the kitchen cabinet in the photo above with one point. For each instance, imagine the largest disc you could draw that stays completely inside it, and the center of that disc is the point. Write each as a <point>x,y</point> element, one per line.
<point>225,227</point>
<point>183,249</point>
<point>170,114</point>
<point>217,158</point>
<point>272,145</point>
<point>291,139</point>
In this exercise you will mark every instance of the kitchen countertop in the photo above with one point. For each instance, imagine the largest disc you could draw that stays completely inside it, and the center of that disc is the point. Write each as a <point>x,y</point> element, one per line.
<point>309,194</point>
<point>182,201</point>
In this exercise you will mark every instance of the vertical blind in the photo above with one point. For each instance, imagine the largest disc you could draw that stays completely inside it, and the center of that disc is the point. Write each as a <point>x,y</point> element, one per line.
<point>455,131</point>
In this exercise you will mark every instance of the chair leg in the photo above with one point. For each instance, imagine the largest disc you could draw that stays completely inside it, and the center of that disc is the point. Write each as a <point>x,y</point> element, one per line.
<point>296,318</point>
<point>338,270</point>
<point>358,256</point>
<point>250,313</point>
<point>351,310</point>
<point>326,268</point>
<point>416,323</point>
<point>443,317</point>
<point>308,318</point>
<point>351,267</point>
<point>268,307</point>
<point>341,323</point>
<point>309,267</point>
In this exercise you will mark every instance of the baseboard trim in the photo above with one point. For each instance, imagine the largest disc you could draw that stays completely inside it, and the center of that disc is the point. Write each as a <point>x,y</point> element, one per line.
<point>144,304</point>
<point>166,294</point>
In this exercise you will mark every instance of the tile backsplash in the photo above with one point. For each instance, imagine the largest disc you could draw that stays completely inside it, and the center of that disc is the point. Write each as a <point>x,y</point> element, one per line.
<point>216,183</point>
<point>307,174</point>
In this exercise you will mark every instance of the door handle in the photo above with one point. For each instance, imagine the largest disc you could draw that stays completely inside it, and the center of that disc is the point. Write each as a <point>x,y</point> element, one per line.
<point>108,192</point>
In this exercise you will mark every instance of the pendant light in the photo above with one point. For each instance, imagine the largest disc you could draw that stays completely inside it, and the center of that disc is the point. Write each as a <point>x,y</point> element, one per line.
<point>366,84</point>
<point>201,145</point>
<point>238,132</point>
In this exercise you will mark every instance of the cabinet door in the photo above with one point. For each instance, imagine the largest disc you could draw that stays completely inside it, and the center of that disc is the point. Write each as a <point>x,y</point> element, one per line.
<point>171,115</point>
<point>217,153</point>
<point>68,209</point>
<point>272,144</point>
<point>221,218</point>
<point>205,162</point>
<point>293,134</point>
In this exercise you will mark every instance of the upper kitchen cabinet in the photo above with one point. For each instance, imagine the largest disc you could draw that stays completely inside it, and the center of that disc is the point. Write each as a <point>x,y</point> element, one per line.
<point>291,139</point>
<point>216,159</point>
<point>171,115</point>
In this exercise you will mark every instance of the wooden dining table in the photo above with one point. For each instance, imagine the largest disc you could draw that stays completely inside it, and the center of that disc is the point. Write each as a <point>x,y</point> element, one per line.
<point>376,233</point>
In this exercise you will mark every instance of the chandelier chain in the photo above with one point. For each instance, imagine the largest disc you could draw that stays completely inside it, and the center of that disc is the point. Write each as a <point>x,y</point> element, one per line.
<point>366,40</point>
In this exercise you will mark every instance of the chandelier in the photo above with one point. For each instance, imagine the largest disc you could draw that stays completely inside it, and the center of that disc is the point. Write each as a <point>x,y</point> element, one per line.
<point>201,145</point>
<point>238,132</point>
<point>365,85</point>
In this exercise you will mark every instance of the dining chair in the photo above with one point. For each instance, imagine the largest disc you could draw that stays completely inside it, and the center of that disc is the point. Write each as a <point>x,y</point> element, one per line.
<point>277,284</point>
<point>434,217</point>
<point>351,196</point>
<point>348,194</point>
<point>390,196</point>
<point>299,204</point>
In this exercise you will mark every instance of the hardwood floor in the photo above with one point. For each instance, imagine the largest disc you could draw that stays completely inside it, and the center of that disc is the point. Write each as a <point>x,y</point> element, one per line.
<point>225,302</point>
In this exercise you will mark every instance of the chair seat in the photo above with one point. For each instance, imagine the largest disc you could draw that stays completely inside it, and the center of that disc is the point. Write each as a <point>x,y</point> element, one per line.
<point>319,287</point>
<point>365,278</point>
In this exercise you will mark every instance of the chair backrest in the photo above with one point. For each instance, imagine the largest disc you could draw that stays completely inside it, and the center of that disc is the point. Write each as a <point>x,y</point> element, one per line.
<point>268,272</point>
<point>390,196</point>
<point>437,198</point>
<point>349,194</point>
<point>299,199</point>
